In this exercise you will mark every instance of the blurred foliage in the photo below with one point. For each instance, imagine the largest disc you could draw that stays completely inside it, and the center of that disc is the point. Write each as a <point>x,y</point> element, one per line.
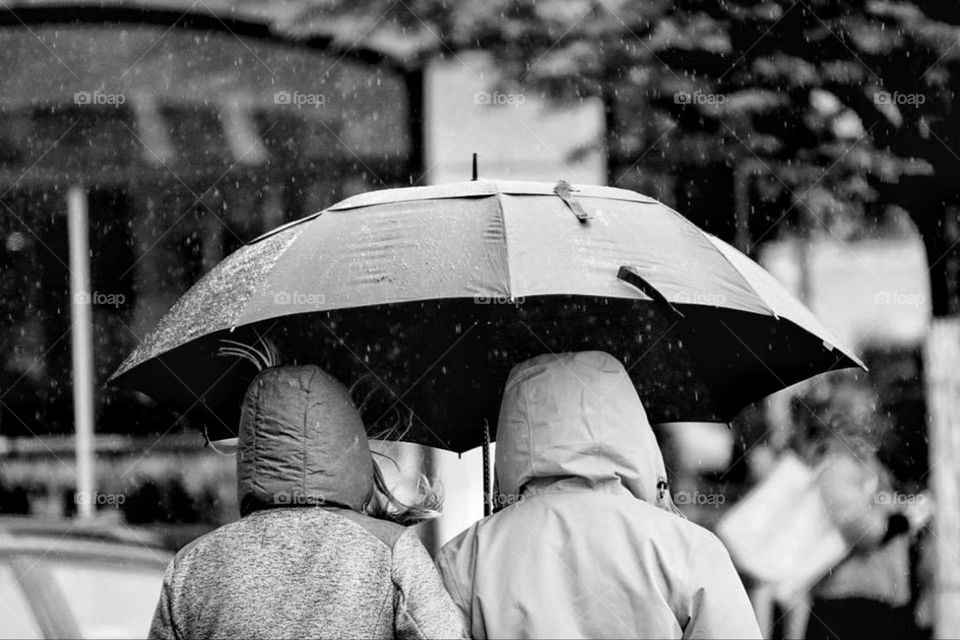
<point>827,104</point>
<point>810,114</point>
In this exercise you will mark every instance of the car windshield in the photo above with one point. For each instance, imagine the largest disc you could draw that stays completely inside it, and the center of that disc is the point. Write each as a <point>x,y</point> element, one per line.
<point>108,601</point>
<point>15,612</point>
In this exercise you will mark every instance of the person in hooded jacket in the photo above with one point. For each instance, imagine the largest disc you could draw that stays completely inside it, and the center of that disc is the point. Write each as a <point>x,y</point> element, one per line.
<point>591,545</point>
<point>304,561</point>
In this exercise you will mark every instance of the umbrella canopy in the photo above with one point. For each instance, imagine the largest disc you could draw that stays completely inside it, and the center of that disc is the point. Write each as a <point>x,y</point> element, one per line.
<point>425,297</point>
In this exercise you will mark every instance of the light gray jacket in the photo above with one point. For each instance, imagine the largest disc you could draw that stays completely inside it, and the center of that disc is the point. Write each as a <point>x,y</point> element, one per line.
<point>591,546</point>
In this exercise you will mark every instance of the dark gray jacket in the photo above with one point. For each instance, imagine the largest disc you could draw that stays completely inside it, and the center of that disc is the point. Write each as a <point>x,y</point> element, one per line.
<point>302,562</point>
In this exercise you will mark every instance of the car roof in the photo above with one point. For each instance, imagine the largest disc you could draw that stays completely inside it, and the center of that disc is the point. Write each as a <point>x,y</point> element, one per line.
<point>80,538</point>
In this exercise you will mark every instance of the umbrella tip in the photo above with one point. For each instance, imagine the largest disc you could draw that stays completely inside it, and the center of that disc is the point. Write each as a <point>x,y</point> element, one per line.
<point>474,165</point>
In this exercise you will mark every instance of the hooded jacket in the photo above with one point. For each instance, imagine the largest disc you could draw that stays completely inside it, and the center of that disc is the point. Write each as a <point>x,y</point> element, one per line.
<point>303,562</point>
<point>591,545</point>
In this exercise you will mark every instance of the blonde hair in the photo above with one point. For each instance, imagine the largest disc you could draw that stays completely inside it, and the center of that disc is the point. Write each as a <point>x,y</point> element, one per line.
<point>398,421</point>
<point>384,505</point>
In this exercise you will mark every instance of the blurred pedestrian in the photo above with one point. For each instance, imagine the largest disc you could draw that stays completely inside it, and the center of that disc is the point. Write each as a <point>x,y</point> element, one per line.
<point>868,594</point>
<point>320,550</point>
<point>591,544</point>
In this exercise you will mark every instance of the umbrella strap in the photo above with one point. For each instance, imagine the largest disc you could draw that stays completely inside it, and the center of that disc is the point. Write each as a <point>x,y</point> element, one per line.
<point>564,190</point>
<point>487,497</point>
<point>631,277</point>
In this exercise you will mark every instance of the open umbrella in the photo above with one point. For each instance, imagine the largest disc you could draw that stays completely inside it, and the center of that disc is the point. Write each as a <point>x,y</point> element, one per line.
<point>425,297</point>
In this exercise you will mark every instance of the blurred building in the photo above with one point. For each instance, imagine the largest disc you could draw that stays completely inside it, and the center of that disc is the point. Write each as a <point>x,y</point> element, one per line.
<point>191,129</point>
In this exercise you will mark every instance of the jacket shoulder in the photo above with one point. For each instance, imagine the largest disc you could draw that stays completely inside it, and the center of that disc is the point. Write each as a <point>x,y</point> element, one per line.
<point>703,536</point>
<point>676,528</point>
<point>463,541</point>
<point>188,549</point>
<point>383,530</point>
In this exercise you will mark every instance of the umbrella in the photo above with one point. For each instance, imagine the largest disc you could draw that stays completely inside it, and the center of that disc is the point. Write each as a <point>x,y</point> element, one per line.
<point>423,298</point>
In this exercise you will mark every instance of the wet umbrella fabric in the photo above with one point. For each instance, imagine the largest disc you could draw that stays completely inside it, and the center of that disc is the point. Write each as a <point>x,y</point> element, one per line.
<point>431,294</point>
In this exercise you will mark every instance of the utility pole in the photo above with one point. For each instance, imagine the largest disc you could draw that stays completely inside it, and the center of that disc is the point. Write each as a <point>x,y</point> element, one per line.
<point>942,360</point>
<point>81,334</point>
<point>941,234</point>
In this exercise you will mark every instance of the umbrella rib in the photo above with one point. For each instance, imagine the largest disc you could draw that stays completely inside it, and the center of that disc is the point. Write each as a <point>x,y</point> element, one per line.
<point>740,273</point>
<point>506,243</point>
<point>830,341</point>
<point>709,235</point>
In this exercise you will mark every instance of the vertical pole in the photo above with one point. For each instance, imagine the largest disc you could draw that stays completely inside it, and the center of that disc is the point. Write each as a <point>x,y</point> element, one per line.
<point>487,497</point>
<point>741,195</point>
<point>417,126</point>
<point>942,366</point>
<point>611,131</point>
<point>81,324</point>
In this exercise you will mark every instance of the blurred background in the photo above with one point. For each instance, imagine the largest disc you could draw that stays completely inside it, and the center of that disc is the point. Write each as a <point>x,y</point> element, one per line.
<point>143,141</point>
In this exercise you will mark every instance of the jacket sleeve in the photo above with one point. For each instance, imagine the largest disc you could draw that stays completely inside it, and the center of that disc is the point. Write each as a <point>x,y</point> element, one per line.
<point>422,607</point>
<point>455,562</point>
<point>717,605</point>
<point>163,626</point>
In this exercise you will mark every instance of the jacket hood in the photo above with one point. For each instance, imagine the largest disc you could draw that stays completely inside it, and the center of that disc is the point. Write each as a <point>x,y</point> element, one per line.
<point>574,420</point>
<point>301,442</point>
